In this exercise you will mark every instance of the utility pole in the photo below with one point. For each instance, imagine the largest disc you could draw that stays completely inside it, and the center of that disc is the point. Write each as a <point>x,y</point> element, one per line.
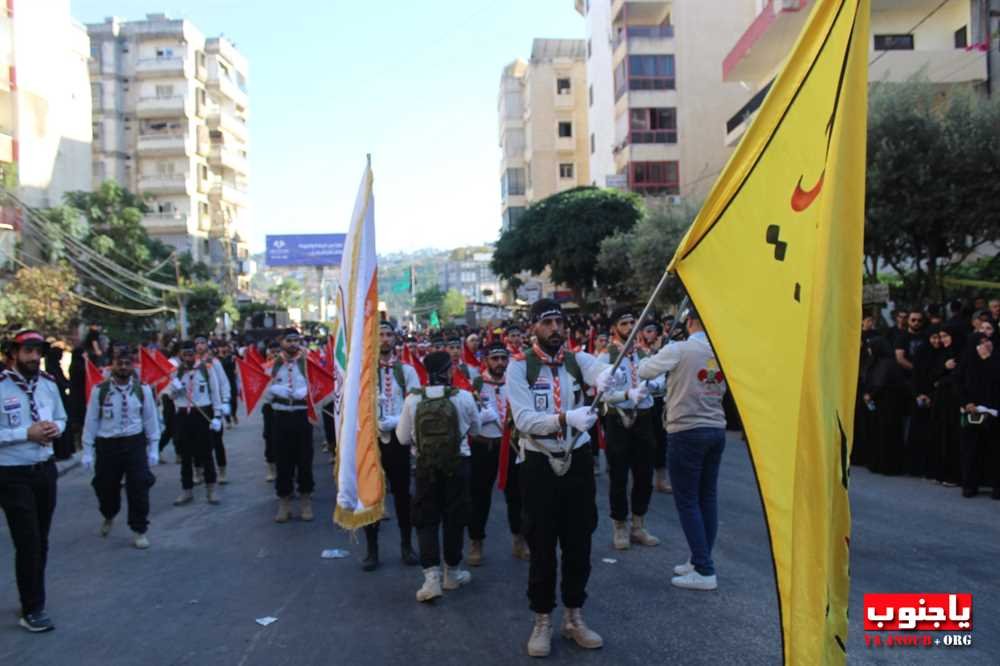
<point>181,307</point>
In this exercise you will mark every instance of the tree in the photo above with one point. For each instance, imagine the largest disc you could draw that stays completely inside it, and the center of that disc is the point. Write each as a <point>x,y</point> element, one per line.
<point>631,263</point>
<point>453,304</point>
<point>933,181</point>
<point>563,232</point>
<point>430,298</point>
<point>286,294</point>
<point>41,298</point>
<point>204,306</point>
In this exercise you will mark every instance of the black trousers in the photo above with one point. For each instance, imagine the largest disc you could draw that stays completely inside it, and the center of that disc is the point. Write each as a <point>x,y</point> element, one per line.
<point>169,416</point>
<point>194,438</point>
<point>441,500</point>
<point>396,464</point>
<point>268,415</point>
<point>123,457</point>
<point>559,513</point>
<point>659,436</point>
<point>485,465</point>
<point>630,450</point>
<point>979,459</point>
<point>233,397</point>
<point>219,448</point>
<point>28,499</point>
<point>293,452</point>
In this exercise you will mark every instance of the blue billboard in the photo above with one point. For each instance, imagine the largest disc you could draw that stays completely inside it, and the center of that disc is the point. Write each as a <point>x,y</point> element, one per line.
<point>305,250</point>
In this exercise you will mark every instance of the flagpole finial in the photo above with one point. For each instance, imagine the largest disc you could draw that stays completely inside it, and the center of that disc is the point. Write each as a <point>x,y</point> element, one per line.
<point>369,157</point>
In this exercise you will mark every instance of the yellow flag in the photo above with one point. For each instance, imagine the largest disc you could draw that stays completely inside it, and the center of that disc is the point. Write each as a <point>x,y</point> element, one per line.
<point>773,264</point>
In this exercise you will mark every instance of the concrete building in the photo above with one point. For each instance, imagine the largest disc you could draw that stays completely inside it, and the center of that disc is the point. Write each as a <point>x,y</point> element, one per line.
<point>469,273</point>
<point>947,43</point>
<point>655,102</point>
<point>542,108</point>
<point>170,122</point>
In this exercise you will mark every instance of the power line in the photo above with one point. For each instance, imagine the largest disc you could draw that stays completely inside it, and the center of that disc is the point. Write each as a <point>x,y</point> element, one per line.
<point>910,31</point>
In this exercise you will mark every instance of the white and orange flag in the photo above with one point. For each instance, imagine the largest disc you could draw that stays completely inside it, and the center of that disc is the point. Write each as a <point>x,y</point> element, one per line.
<point>360,481</point>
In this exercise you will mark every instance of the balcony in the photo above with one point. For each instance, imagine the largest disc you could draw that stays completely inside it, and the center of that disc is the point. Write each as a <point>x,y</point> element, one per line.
<point>639,34</point>
<point>648,12</point>
<point>228,158</point>
<point>148,68</point>
<point>163,107</point>
<point>6,145</point>
<point>165,223</point>
<point>229,194</point>
<point>164,144</point>
<point>164,184</point>
<point>738,124</point>
<point>226,87</point>
<point>946,67</point>
<point>766,42</point>
<point>228,122</point>
<point>566,144</point>
<point>564,101</point>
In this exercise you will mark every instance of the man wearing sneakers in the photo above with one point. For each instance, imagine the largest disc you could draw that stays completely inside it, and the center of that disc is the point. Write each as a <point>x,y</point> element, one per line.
<point>696,432</point>
<point>438,421</point>
<point>121,435</point>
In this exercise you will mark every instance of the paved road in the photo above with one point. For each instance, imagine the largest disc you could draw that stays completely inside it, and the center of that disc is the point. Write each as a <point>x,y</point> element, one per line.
<point>194,596</point>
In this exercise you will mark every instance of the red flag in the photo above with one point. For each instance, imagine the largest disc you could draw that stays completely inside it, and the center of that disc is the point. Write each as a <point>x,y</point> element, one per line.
<point>94,377</point>
<point>328,349</point>
<point>409,359</point>
<point>469,358</point>
<point>154,368</point>
<point>254,380</point>
<point>460,381</point>
<point>602,443</point>
<point>591,340</point>
<point>320,380</point>
<point>254,356</point>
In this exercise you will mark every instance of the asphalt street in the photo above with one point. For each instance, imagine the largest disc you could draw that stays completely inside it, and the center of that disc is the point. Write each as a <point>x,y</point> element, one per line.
<point>193,598</point>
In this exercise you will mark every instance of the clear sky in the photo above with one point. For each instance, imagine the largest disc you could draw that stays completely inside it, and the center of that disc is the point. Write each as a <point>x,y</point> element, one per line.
<point>412,82</point>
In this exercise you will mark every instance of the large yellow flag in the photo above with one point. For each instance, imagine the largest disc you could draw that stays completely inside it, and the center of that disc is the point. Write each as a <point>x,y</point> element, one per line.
<point>773,264</point>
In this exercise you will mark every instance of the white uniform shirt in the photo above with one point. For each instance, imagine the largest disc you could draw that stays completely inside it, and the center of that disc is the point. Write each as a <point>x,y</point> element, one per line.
<point>15,419</point>
<point>106,422</point>
<point>200,388</point>
<point>493,396</point>
<point>225,392</point>
<point>534,408</point>
<point>468,417</point>
<point>621,382</point>
<point>288,383</point>
<point>390,394</point>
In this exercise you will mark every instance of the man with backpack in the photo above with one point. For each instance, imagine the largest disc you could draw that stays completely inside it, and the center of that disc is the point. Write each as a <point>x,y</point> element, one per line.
<point>121,437</point>
<point>395,381</point>
<point>630,437</point>
<point>206,358</point>
<point>546,386</point>
<point>438,420</point>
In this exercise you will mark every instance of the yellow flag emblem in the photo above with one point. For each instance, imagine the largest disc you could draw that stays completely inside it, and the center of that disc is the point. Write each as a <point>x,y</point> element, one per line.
<point>773,263</point>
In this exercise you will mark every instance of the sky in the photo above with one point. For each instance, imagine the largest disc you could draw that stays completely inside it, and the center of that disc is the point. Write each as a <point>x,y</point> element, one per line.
<point>414,83</point>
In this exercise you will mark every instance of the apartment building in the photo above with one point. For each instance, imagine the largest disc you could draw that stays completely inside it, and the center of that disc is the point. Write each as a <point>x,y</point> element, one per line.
<point>654,98</point>
<point>470,275</point>
<point>170,110</point>
<point>952,42</point>
<point>542,110</point>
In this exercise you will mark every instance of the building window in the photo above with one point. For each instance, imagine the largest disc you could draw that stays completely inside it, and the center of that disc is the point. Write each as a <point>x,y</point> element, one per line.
<point>652,178</point>
<point>566,170</point>
<point>95,50</point>
<point>165,168</point>
<point>564,87</point>
<point>653,125</point>
<point>164,53</point>
<point>649,72</point>
<point>590,96</point>
<point>512,183</point>
<point>565,129</point>
<point>593,144</point>
<point>527,174</point>
<point>164,91</point>
<point>96,134</point>
<point>588,48</point>
<point>962,37</point>
<point>893,42</point>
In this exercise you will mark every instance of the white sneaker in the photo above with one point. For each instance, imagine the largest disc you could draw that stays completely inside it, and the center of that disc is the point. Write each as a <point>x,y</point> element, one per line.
<point>455,578</point>
<point>106,526</point>
<point>432,585</point>
<point>140,541</point>
<point>682,569</point>
<point>695,581</point>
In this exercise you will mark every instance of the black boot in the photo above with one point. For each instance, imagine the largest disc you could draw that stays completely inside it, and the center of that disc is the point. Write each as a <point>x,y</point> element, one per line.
<point>410,558</point>
<point>370,563</point>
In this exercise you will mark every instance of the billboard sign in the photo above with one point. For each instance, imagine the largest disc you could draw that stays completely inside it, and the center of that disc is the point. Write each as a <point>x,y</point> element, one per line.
<point>305,250</point>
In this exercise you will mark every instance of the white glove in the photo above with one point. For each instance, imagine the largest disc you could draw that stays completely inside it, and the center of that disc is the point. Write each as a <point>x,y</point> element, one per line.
<point>87,460</point>
<point>215,425</point>
<point>388,423</point>
<point>300,393</point>
<point>153,455</point>
<point>177,385</point>
<point>488,415</point>
<point>637,394</point>
<point>225,410</point>
<point>280,391</point>
<point>581,418</point>
<point>606,380</point>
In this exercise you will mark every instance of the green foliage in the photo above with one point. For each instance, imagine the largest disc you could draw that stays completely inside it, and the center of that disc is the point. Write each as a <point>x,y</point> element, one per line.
<point>204,305</point>
<point>631,263</point>
<point>933,181</point>
<point>430,298</point>
<point>564,232</point>
<point>453,304</point>
<point>41,297</point>
<point>287,293</point>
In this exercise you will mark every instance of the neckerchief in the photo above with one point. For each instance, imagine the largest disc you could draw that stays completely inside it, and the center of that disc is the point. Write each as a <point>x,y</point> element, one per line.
<point>189,388</point>
<point>385,367</point>
<point>501,401</point>
<point>28,387</point>
<point>554,364</point>
<point>125,393</point>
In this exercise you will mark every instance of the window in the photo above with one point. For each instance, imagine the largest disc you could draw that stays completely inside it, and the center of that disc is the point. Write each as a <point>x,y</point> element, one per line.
<point>893,42</point>
<point>590,96</point>
<point>201,58</point>
<point>588,48</point>
<point>653,125</point>
<point>165,168</point>
<point>564,87</point>
<point>649,72</point>
<point>95,50</point>
<point>565,129</point>
<point>511,216</point>
<point>223,70</point>
<point>527,173</point>
<point>164,91</point>
<point>566,170</point>
<point>593,144</point>
<point>204,172</point>
<point>962,37</point>
<point>514,178</point>
<point>652,178</point>
<point>96,134</point>
<point>164,53</point>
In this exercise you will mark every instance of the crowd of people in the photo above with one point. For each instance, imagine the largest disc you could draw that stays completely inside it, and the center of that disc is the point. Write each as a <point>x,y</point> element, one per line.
<point>929,395</point>
<point>526,406</point>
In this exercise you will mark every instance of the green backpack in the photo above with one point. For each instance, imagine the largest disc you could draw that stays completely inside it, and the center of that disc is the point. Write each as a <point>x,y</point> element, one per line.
<point>437,433</point>
<point>104,388</point>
